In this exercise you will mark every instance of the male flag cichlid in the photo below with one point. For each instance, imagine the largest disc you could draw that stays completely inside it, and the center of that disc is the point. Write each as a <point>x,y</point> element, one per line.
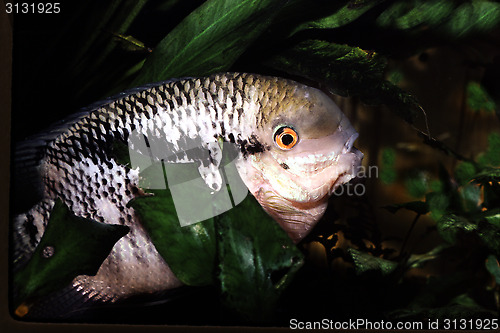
<point>295,148</point>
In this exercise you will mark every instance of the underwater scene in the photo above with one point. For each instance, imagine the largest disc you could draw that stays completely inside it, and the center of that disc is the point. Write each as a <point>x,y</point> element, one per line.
<point>256,163</point>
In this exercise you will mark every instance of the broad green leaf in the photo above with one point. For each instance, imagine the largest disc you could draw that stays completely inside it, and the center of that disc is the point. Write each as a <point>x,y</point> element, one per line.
<point>464,172</point>
<point>209,40</point>
<point>437,186</point>
<point>473,17</point>
<point>438,204</point>
<point>348,71</point>
<point>478,99</point>
<point>417,185</point>
<point>492,155</point>
<point>188,250</point>
<point>453,227</point>
<point>493,267</point>
<point>70,246</point>
<point>257,260</point>
<point>243,249</point>
<point>493,217</point>
<point>411,14</point>
<point>447,18</point>
<point>120,153</point>
<point>345,15</point>
<point>365,262</point>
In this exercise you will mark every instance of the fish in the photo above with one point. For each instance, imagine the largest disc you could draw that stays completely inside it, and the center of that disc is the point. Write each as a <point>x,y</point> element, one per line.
<point>295,147</point>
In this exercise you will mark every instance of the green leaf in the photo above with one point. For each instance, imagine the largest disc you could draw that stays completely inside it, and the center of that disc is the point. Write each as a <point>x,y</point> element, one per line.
<point>345,15</point>
<point>243,249</point>
<point>473,17</point>
<point>120,153</point>
<point>458,229</point>
<point>438,204</point>
<point>70,246</point>
<point>465,171</point>
<point>447,18</point>
<point>478,99</point>
<point>348,71</point>
<point>452,227</point>
<point>412,14</point>
<point>188,250</point>
<point>493,267</point>
<point>437,186</point>
<point>471,197</point>
<point>493,217</point>
<point>365,262</point>
<point>388,172</point>
<point>257,260</point>
<point>492,155</point>
<point>209,40</point>
<point>417,185</point>
<point>419,260</point>
<point>489,234</point>
<point>487,175</point>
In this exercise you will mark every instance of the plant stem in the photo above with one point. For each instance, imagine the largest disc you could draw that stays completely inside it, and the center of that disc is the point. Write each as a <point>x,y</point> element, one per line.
<point>403,246</point>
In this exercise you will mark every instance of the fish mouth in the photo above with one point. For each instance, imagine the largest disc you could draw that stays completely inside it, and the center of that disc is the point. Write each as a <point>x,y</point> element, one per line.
<point>315,158</point>
<point>298,211</point>
<point>314,174</point>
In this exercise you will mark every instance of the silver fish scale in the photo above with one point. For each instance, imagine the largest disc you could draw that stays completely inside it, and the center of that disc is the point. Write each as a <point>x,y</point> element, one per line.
<point>78,167</point>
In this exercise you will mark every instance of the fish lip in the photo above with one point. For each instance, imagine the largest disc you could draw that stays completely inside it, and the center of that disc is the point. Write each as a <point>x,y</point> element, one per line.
<point>308,162</point>
<point>332,175</point>
<point>300,165</point>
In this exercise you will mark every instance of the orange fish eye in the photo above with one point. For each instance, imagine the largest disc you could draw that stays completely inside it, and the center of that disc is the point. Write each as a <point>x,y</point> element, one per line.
<point>286,137</point>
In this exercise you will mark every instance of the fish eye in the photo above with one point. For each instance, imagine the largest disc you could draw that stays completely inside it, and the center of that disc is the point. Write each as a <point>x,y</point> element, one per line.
<point>286,137</point>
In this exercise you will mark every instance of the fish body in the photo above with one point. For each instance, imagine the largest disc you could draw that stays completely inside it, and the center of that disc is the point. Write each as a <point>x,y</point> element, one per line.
<point>294,148</point>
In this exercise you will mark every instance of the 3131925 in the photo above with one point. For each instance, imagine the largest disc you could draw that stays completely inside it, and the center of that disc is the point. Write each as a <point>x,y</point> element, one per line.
<point>33,8</point>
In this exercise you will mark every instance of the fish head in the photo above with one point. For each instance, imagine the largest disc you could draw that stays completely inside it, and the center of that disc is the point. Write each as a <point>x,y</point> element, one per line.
<point>309,153</point>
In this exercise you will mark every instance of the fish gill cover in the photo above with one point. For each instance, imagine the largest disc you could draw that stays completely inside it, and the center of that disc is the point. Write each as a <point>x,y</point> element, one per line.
<point>347,48</point>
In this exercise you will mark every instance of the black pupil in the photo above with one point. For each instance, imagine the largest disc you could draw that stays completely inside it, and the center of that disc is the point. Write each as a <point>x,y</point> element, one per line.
<point>287,139</point>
